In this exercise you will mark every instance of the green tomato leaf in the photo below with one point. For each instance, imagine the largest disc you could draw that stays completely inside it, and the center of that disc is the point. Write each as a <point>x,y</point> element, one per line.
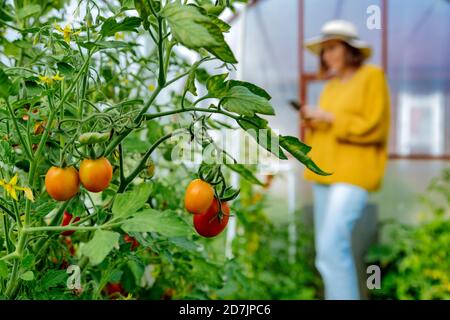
<point>195,30</point>
<point>27,276</point>
<point>190,82</point>
<point>137,269</point>
<point>7,154</point>
<point>65,69</point>
<point>300,150</point>
<point>250,86</point>
<point>264,136</point>
<point>127,4</point>
<point>184,243</point>
<point>115,275</point>
<point>242,101</point>
<point>166,223</point>
<point>215,8</point>
<point>224,27</point>
<point>28,10</point>
<point>128,203</point>
<point>222,51</point>
<point>28,261</point>
<point>111,26</point>
<point>5,85</point>
<point>100,246</point>
<point>186,25</point>
<point>144,10</point>
<point>216,85</point>
<point>53,278</point>
<point>10,49</point>
<point>245,173</point>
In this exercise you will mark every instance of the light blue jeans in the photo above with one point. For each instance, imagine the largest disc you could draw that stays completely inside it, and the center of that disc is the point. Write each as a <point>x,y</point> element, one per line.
<point>336,209</point>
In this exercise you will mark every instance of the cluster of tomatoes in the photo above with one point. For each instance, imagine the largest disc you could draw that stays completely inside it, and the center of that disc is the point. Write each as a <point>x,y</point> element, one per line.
<point>210,215</point>
<point>64,183</point>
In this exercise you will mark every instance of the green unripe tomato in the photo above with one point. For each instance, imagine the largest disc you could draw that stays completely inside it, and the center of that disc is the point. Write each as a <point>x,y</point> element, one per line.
<point>93,137</point>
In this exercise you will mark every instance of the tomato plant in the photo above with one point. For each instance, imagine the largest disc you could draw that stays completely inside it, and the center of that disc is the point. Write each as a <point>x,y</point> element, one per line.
<point>414,258</point>
<point>103,100</point>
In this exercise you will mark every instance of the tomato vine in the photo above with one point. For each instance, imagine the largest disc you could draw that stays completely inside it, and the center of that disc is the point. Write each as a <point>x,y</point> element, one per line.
<point>72,96</point>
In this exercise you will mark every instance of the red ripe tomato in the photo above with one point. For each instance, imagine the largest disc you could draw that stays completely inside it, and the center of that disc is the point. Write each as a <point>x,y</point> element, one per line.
<point>198,197</point>
<point>62,183</point>
<point>208,224</point>
<point>133,241</point>
<point>114,289</point>
<point>96,174</point>
<point>168,294</point>
<point>66,220</point>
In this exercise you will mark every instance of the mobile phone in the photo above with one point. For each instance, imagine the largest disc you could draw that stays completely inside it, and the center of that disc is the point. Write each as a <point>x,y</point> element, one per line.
<point>295,104</point>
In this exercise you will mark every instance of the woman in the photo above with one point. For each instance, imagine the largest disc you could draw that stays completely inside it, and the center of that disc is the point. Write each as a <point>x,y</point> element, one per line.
<point>348,133</point>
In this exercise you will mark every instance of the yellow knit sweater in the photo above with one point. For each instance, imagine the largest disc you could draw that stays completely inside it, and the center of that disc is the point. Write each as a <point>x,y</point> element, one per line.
<point>354,147</point>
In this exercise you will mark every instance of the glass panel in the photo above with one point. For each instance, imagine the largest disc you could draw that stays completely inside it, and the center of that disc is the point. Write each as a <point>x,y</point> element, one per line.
<point>271,57</point>
<point>419,74</point>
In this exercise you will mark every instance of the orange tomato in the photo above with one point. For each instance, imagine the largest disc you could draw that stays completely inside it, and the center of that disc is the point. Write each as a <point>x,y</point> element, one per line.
<point>96,174</point>
<point>62,183</point>
<point>198,197</point>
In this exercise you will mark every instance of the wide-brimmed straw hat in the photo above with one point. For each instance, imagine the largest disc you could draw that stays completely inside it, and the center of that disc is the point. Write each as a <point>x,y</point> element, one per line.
<point>338,30</point>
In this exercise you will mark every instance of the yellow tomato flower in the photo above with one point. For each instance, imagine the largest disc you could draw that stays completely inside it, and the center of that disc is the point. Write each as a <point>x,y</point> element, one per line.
<point>57,77</point>
<point>151,87</point>
<point>28,194</point>
<point>119,36</point>
<point>67,32</point>
<point>128,297</point>
<point>46,80</point>
<point>11,188</point>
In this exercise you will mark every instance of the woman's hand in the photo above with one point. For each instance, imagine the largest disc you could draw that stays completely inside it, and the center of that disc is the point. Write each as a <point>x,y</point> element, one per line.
<point>314,116</point>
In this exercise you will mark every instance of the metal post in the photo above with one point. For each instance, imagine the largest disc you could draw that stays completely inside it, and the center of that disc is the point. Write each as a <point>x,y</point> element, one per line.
<point>231,229</point>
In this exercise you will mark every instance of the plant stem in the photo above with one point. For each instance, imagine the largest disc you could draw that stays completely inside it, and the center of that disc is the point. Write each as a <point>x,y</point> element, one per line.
<point>139,117</point>
<point>60,228</point>
<point>55,219</point>
<point>16,211</point>
<point>26,147</point>
<point>7,211</point>
<point>12,283</point>
<point>162,75</point>
<point>167,59</point>
<point>122,175</point>
<point>167,113</point>
<point>6,229</point>
<point>83,92</point>
<point>12,255</point>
